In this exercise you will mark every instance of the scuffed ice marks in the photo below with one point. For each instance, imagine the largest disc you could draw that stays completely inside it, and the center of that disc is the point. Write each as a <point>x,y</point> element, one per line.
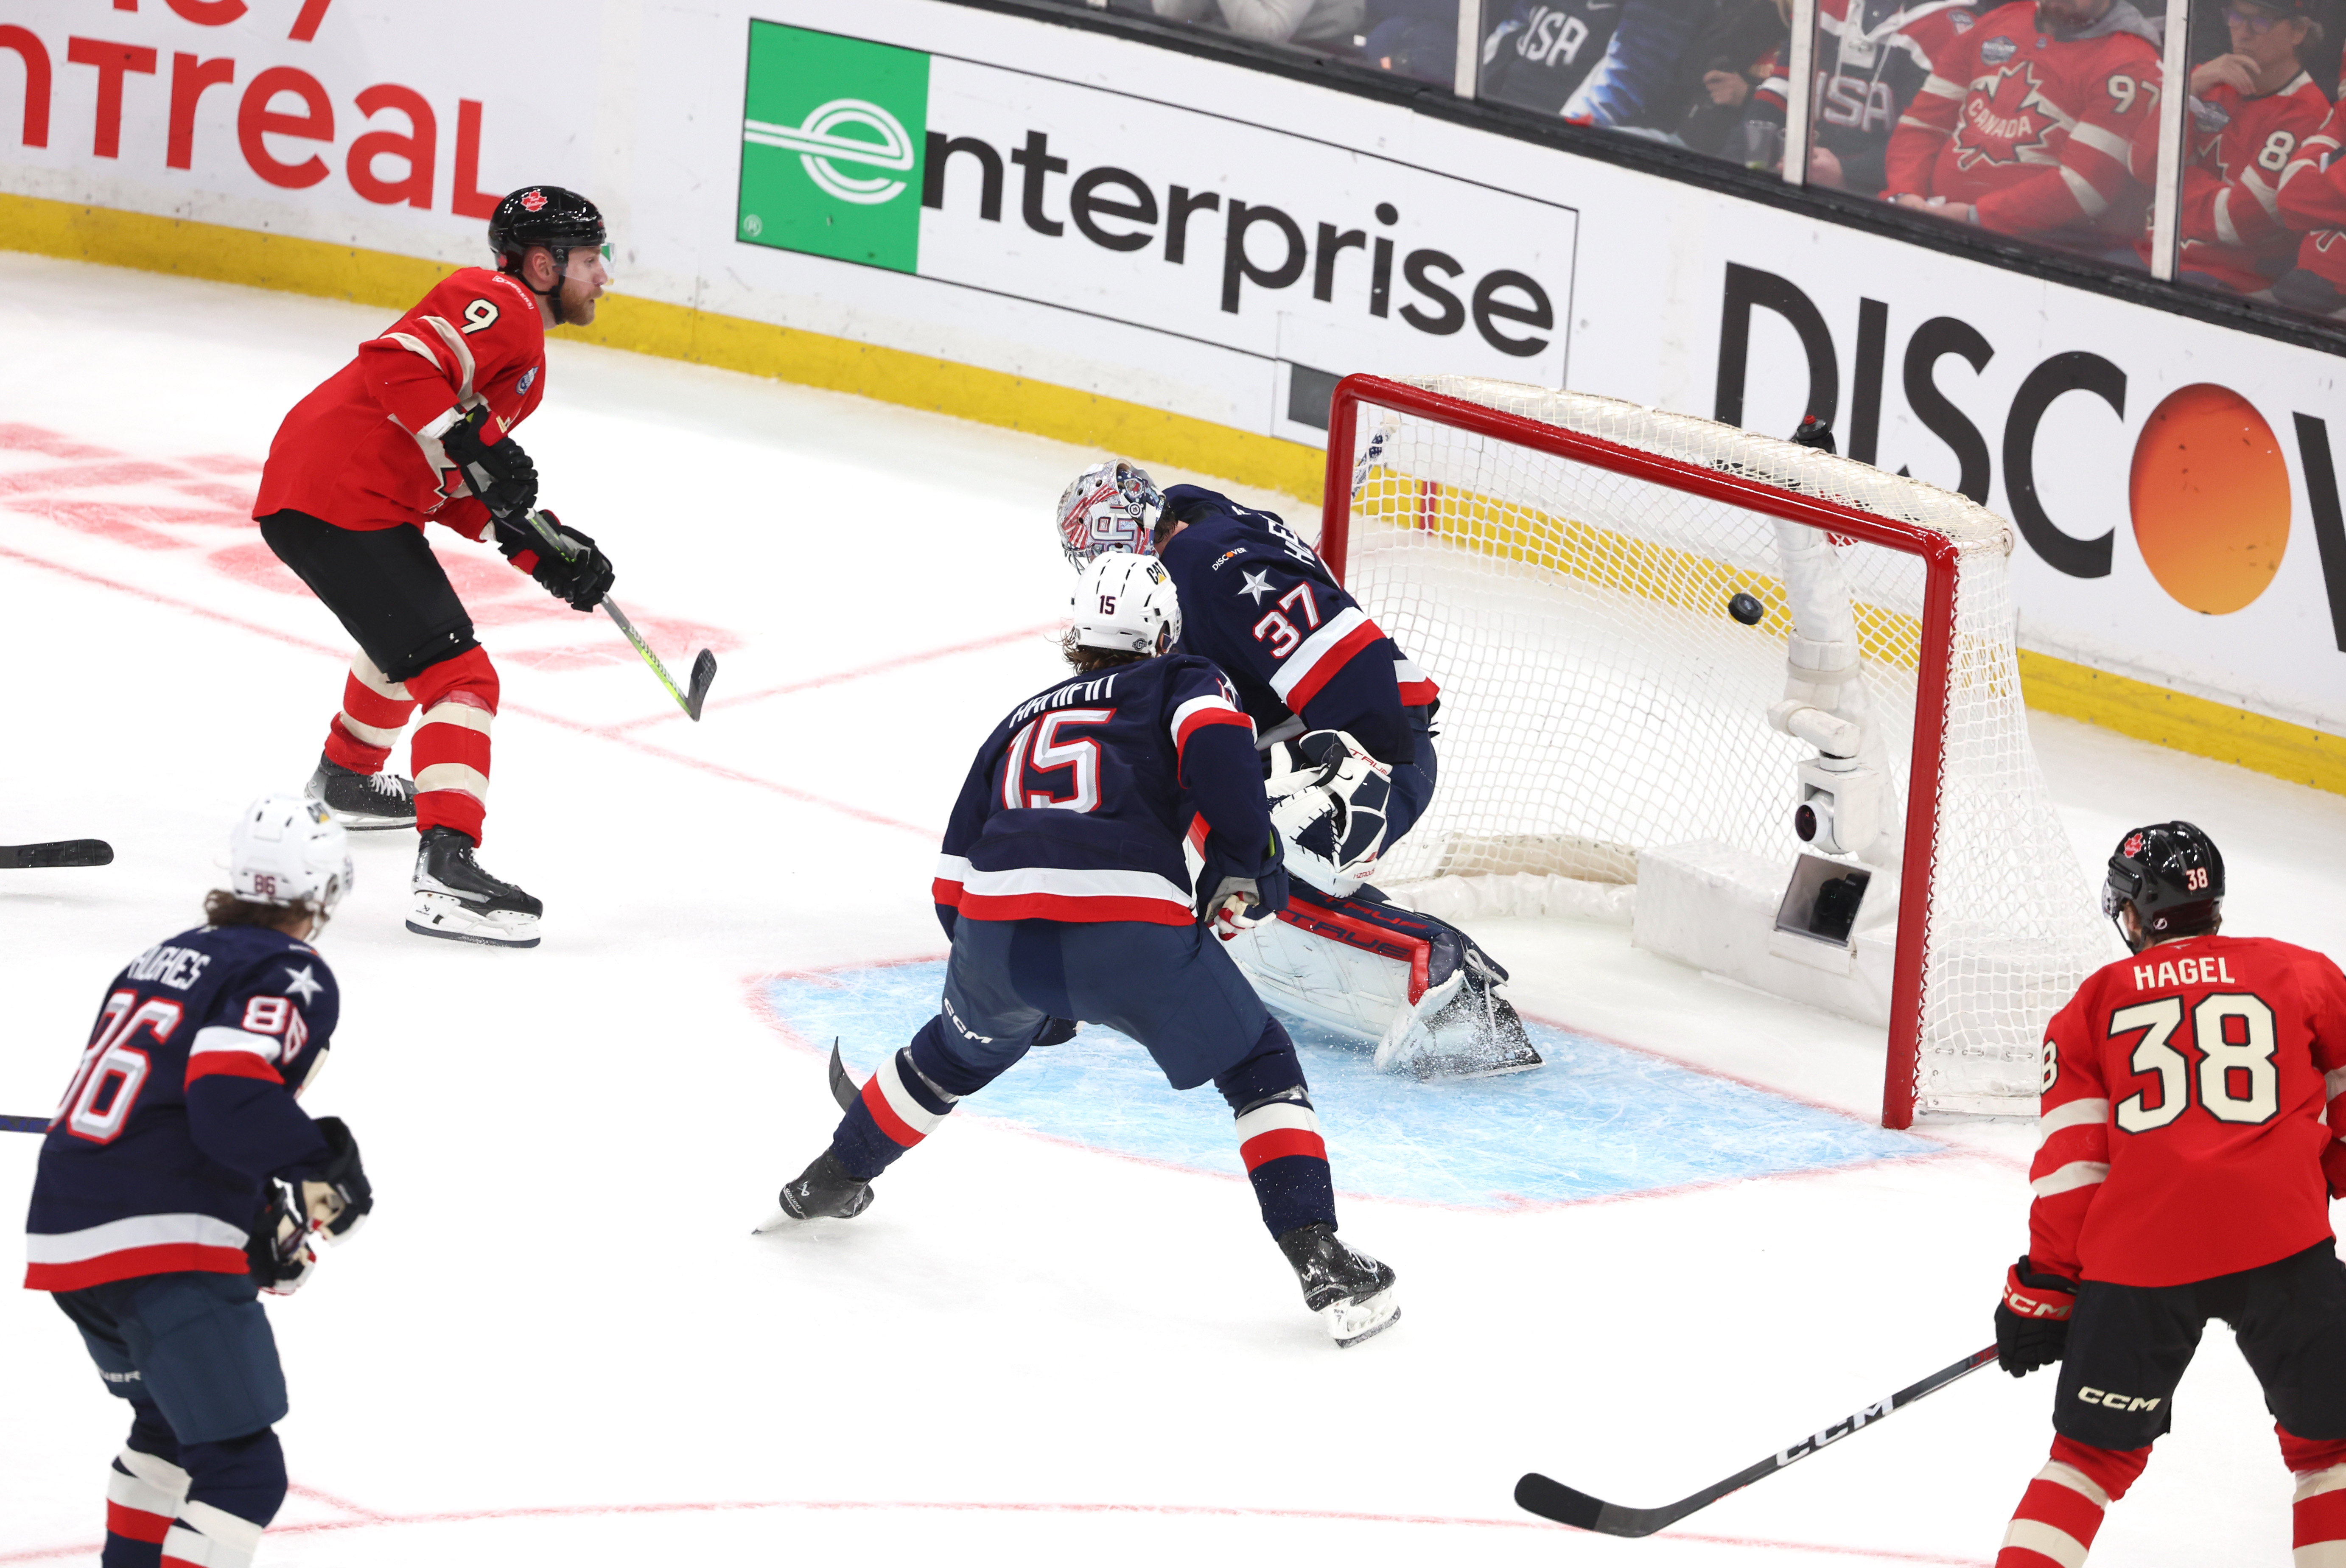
<point>1599,1121</point>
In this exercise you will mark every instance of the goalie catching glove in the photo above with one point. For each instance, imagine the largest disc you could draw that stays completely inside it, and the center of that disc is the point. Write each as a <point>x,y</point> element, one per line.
<point>579,581</point>
<point>1331,807</point>
<point>500,473</point>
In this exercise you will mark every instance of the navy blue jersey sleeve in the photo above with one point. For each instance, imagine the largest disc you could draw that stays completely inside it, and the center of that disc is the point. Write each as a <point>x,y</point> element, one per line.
<point>267,1028</point>
<point>1214,749</point>
<point>971,808</point>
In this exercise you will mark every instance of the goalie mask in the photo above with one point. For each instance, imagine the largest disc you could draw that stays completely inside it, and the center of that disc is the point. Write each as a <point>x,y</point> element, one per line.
<point>288,850</point>
<point>2171,875</point>
<point>1126,603</point>
<point>1110,506</point>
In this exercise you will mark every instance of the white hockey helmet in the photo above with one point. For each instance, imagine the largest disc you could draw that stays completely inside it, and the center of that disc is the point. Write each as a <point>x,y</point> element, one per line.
<point>1127,602</point>
<point>1111,505</point>
<point>288,850</point>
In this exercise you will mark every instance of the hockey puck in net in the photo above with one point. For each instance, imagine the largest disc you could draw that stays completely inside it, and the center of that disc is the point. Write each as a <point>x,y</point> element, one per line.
<point>1746,609</point>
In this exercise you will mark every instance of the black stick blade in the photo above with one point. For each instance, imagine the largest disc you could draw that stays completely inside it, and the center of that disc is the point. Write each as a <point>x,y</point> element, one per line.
<point>61,852</point>
<point>1536,1493</point>
<point>842,1087</point>
<point>704,672</point>
<point>23,1123</point>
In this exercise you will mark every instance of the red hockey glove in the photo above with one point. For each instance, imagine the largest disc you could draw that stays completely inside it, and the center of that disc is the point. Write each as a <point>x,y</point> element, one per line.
<point>2032,1321</point>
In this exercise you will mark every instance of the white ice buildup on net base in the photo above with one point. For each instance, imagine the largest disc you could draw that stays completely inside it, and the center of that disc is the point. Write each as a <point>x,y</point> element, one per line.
<point>1607,720</point>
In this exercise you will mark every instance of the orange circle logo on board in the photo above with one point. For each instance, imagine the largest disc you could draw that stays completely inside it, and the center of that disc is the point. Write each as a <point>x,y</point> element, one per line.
<point>2209,495</point>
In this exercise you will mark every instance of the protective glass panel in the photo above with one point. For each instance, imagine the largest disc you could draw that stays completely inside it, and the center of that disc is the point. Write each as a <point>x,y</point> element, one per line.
<point>1412,38</point>
<point>2253,196</point>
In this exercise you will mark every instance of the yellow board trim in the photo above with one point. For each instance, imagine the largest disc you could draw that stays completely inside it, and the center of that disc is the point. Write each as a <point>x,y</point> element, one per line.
<point>113,238</point>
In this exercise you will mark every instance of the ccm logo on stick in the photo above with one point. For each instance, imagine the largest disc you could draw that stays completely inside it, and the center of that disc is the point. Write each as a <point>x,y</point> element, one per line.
<point>2116,1401</point>
<point>1834,1433</point>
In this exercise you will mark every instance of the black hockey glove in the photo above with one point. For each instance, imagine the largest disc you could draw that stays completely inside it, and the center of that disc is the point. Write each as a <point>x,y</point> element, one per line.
<point>1056,1031</point>
<point>337,1196</point>
<point>2032,1321</point>
<point>580,581</point>
<point>1233,894</point>
<point>501,474</point>
<point>277,1251</point>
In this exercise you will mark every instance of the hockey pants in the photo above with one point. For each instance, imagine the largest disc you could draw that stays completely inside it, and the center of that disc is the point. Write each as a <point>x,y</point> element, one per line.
<point>1171,988</point>
<point>416,650</point>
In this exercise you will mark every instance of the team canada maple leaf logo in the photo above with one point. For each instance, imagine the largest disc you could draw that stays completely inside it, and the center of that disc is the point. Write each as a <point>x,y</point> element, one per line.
<point>2007,119</point>
<point>534,201</point>
<point>2133,846</point>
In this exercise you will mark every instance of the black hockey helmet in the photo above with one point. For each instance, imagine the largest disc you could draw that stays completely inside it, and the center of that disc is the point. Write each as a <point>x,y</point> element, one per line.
<point>2171,875</point>
<point>561,220</point>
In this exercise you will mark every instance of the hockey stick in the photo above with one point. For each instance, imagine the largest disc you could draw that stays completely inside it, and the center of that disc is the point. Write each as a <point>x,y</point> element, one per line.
<point>704,664</point>
<point>58,852</point>
<point>23,1123</point>
<point>842,1087</point>
<point>1536,1493</point>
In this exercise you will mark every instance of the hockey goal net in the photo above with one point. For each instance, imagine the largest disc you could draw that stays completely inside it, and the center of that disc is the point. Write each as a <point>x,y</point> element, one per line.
<point>1564,566</point>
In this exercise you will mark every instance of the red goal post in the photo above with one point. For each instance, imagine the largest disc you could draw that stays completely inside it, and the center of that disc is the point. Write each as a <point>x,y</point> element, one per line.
<point>1495,530</point>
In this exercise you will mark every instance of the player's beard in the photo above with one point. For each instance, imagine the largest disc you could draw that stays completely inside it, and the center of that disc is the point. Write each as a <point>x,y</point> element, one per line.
<point>575,304</point>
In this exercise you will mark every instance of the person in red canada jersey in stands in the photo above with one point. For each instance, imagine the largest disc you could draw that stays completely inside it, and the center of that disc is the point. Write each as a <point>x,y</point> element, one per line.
<point>2041,122</point>
<point>2313,202</point>
<point>416,429</point>
<point>2250,108</point>
<point>2194,1098</point>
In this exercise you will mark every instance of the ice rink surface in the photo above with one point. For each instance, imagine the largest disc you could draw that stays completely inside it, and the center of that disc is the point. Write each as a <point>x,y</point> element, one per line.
<point>1060,1335</point>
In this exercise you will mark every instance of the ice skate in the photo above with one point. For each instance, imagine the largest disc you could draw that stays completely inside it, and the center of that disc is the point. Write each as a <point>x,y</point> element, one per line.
<point>825,1191</point>
<point>362,802</point>
<point>1464,1031</point>
<point>456,899</point>
<point>1352,1292</point>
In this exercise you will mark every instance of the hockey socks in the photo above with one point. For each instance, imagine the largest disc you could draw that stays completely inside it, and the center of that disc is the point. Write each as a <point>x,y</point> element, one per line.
<point>2319,1509</point>
<point>451,750</point>
<point>236,1487</point>
<point>143,1492</point>
<point>1279,1134</point>
<point>2062,1509</point>
<point>899,1108</point>
<point>374,710</point>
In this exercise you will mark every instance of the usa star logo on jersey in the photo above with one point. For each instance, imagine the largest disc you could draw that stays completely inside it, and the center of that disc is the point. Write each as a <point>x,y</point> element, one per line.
<point>1256,586</point>
<point>303,982</point>
<point>2007,119</point>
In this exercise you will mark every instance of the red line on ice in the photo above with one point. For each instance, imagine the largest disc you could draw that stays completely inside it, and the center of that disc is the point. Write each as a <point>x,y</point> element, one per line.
<point>370,1519</point>
<point>601,732</point>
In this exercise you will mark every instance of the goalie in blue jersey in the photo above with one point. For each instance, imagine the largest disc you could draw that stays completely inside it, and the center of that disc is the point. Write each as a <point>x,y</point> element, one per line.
<point>1064,887</point>
<point>1346,725</point>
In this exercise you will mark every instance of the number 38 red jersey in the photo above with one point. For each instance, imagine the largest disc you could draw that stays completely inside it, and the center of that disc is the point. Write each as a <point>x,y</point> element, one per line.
<point>353,452</point>
<point>2191,1122</point>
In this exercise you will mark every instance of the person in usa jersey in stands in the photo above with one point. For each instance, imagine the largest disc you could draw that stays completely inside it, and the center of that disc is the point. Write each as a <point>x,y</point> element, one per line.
<point>2194,1105</point>
<point>418,429</point>
<point>1065,891</point>
<point>1346,722</point>
<point>158,1213</point>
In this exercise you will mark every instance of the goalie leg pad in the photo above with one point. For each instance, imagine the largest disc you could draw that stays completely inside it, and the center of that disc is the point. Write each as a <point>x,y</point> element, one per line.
<point>1279,1134</point>
<point>1415,987</point>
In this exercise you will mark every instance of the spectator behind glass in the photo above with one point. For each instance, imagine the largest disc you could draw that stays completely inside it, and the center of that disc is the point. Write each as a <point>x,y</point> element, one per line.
<point>2250,109</point>
<point>1539,52</point>
<point>1678,70</point>
<point>1870,65</point>
<point>2313,202</point>
<point>2055,138</point>
<point>1413,38</point>
<point>1326,25</point>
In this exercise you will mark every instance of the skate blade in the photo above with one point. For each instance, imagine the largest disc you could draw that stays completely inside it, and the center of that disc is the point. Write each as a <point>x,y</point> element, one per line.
<point>1350,1322</point>
<point>437,914</point>
<point>353,822</point>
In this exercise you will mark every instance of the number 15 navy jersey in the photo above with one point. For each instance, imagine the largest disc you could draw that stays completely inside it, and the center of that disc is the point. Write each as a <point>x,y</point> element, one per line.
<point>181,1108</point>
<point>1076,805</point>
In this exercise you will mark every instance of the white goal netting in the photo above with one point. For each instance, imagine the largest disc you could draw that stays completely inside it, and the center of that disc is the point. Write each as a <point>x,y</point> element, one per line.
<point>1599,701</point>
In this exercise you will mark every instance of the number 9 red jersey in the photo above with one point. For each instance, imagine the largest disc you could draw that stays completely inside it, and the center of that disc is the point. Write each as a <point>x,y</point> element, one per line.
<point>2191,1117</point>
<point>353,452</point>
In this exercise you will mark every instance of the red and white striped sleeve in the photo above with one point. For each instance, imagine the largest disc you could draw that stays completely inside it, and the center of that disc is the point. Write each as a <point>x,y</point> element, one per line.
<point>2111,151</point>
<point>1205,709</point>
<point>1923,129</point>
<point>2073,1150</point>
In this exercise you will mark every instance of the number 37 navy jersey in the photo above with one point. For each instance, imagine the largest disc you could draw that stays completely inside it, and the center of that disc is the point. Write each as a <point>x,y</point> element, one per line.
<point>1077,803</point>
<point>180,1109</point>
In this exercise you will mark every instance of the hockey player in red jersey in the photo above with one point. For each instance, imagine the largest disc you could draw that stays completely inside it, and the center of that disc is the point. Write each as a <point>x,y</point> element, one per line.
<point>2313,202</point>
<point>2249,110</point>
<point>419,428</point>
<point>2194,1100</point>
<point>2040,121</point>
